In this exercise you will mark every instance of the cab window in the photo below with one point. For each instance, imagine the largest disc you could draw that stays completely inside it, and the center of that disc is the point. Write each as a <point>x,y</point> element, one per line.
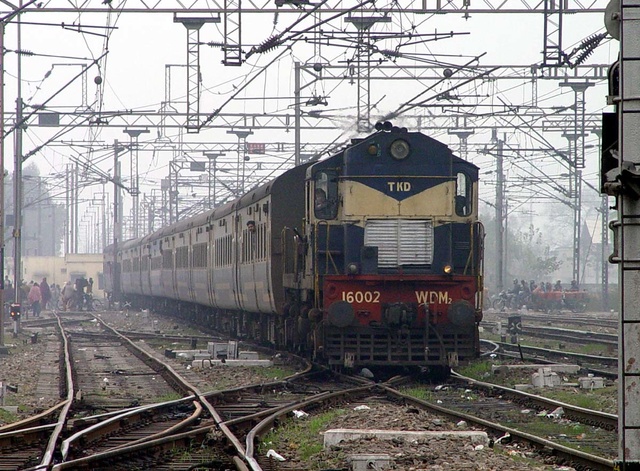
<point>325,195</point>
<point>463,197</point>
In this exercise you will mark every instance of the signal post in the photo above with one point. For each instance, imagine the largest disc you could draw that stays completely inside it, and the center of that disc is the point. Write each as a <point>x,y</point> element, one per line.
<point>620,177</point>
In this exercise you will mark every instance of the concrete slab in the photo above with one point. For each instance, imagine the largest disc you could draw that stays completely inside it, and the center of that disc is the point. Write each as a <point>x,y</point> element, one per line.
<point>558,368</point>
<point>248,355</point>
<point>366,462</point>
<point>229,363</point>
<point>335,436</point>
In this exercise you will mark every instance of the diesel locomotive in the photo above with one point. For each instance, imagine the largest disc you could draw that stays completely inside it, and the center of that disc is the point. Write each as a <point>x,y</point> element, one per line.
<point>372,257</point>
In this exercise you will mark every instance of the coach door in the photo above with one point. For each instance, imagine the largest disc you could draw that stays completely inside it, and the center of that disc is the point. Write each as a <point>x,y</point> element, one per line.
<point>237,262</point>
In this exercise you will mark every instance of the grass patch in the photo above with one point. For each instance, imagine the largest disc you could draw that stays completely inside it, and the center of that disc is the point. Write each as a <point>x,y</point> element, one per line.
<point>301,437</point>
<point>172,396</point>
<point>272,373</point>
<point>7,417</point>
<point>604,399</point>
<point>419,393</point>
<point>479,370</point>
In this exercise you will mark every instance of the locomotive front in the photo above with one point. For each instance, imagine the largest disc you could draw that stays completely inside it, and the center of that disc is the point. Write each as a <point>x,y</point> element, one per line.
<point>396,256</point>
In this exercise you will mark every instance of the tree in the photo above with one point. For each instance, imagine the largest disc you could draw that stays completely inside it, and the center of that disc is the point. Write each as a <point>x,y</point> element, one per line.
<point>529,257</point>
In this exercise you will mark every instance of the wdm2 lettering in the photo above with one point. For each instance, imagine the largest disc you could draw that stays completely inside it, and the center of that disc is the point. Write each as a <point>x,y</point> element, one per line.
<point>433,297</point>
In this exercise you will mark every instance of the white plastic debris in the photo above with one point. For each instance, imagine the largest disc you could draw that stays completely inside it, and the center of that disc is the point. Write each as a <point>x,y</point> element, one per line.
<point>362,407</point>
<point>440,387</point>
<point>525,411</point>
<point>504,437</point>
<point>299,414</point>
<point>272,454</point>
<point>478,447</point>
<point>461,424</point>
<point>438,401</point>
<point>557,413</point>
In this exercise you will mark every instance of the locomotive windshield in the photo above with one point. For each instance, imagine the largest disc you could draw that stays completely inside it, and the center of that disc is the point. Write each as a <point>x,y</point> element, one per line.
<point>326,194</point>
<point>463,195</point>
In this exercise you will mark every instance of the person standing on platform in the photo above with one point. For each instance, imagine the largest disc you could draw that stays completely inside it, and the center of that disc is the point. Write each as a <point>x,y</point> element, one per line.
<point>68,293</point>
<point>45,290</point>
<point>35,298</point>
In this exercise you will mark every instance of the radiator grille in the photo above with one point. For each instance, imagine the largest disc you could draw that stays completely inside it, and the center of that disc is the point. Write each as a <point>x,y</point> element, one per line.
<point>400,241</point>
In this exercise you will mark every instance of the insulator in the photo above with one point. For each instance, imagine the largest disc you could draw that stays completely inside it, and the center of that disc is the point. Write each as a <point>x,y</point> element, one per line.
<point>269,44</point>
<point>390,53</point>
<point>588,45</point>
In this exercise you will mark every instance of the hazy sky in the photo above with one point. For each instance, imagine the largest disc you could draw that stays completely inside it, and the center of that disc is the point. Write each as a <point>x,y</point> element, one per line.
<point>140,46</point>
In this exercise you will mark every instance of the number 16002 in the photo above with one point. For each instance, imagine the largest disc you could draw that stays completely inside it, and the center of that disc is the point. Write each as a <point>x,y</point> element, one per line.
<point>361,296</point>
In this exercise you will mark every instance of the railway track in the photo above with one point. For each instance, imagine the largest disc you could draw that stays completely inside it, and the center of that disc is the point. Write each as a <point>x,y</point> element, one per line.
<point>217,429</point>
<point>597,364</point>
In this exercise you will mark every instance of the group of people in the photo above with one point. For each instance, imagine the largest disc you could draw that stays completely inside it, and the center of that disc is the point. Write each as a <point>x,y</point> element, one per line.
<point>41,296</point>
<point>523,293</point>
<point>36,296</point>
<point>521,287</point>
<point>79,295</point>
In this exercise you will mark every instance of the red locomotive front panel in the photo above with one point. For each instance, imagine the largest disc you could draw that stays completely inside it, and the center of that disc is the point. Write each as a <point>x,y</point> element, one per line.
<point>420,319</point>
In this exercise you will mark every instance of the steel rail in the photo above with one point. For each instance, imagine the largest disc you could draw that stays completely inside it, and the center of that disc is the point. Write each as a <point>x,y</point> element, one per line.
<point>584,459</point>
<point>608,421</point>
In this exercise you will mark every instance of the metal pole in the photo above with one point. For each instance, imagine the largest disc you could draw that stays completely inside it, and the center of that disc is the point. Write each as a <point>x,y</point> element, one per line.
<point>76,196</point>
<point>499,217</point>
<point>116,222</point>
<point>2,211</point>
<point>629,241</point>
<point>297,114</point>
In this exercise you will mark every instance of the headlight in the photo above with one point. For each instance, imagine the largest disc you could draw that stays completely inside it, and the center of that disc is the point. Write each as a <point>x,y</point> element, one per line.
<point>448,269</point>
<point>399,149</point>
<point>352,269</point>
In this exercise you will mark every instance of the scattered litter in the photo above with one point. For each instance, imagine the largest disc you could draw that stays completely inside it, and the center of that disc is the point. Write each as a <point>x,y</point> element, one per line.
<point>439,401</point>
<point>300,414</point>
<point>504,437</point>
<point>440,387</point>
<point>362,407</point>
<point>557,413</point>
<point>105,380</point>
<point>461,424</point>
<point>467,391</point>
<point>188,367</point>
<point>525,411</point>
<point>542,414</point>
<point>478,447</point>
<point>272,454</point>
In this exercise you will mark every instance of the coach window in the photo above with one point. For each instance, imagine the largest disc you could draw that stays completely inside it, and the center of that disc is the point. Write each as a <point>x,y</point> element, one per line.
<point>463,195</point>
<point>325,194</point>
